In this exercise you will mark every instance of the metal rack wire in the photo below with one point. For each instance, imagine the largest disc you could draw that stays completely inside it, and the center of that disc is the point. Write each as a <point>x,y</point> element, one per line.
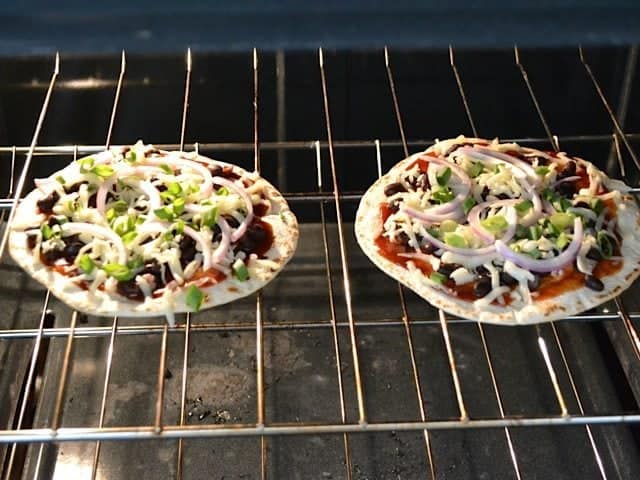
<point>547,336</point>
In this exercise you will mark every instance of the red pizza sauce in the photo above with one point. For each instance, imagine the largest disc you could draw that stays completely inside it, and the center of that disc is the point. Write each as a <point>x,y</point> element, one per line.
<point>550,286</point>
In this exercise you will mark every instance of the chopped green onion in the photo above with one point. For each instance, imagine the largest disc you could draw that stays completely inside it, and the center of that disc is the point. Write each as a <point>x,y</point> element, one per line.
<point>47,233</point>
<point>164,213</point>
<point>240,270</point>
<point>223,191</point>
<point>604,242</point>
<point>523,206</point>
<point>562,204</point>
<point>86,164</point>
<point>210,217</point>
<point>562,240</point>
<point>194,298</point>
<point>455,240</point>
<point>130,156</point>
<point>468,204</point>
<point>166,168</point>
<point>118,271</point>
<point>434,231</point>
<point>448,225</point>
<point>542,170</point>
<point>178,206</point>
<point>442,195</point>
<point>179,227</point>
<point>597,206</point>
<point>549,195</point>
<point>128,237</point>
<point>174,188</point>
<point>534,232</point>
<point>475,169</point>
<point>561,220</point>
<point>167,197</point>
<point>136,263</point>
<point>437,278</point>
<point>111,214</point>
<point>521,231</point>
<point>444,177</point>
<point>495,224</point>
<point>535,253</point>
<point>121,206</point>
<point>85,263</point>
<point>60,179</point>
<point>103,171</point>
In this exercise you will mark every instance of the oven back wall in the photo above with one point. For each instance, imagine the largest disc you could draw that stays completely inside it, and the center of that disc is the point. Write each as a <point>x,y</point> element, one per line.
<point>290,101</point>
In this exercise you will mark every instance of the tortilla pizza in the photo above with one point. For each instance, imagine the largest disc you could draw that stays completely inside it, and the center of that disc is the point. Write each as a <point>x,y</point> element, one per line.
<point>502,233</point>
<point>136,231</point>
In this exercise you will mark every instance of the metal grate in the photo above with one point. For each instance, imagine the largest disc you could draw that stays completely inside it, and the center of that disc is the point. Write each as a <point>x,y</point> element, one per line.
<point>344,328</point>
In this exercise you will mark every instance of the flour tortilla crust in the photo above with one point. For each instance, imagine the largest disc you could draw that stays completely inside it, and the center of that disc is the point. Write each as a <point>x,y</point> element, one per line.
<point>369,226</point>
<point>100,303</point>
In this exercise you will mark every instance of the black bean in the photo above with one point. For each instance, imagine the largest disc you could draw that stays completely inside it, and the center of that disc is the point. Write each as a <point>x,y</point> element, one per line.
<point>50,256</point>
<point>594,254</point>
<point>394,188</point>
<point>428,248</point>
<point>161,188</point>
<point>216,170</point>
<point>569,170</point>
<point>45,205</point>
<point>73,188</point>
<point>130,290</point>
<point>187,250</point>
<point>153,268</point>
<point>508,280</point>
<point>421,181</point>
<point>566,189</point>
<point>482,287</point>
<point>253,238</point>
<point>594,283</point>
<point>31,241</point>
<point>485,192</point>
<point>447,269</point>
<point>481,270</point>
<point>231,220</point>
<point>502,196</point>
<point>53,221</point>
<point>402,239</point>
<point>535,283</point>
<point>72,246</point>
<point>582,205</point>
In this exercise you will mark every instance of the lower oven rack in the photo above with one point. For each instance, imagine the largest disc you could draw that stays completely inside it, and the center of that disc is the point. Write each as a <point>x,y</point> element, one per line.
<point>40,413</point>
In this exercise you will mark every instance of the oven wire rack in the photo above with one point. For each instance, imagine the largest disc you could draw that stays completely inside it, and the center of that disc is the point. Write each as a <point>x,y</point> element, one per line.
<point>324,150</point>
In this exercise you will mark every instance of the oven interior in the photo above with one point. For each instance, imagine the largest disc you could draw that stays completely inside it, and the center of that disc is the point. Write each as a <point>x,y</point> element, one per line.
<point>333,370</point>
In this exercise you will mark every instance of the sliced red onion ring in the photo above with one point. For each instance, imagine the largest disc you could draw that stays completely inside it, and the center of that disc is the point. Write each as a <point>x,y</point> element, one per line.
<point>225,241</point>
<point>152,192</point>
<point>482,154</point>
<point>248,204</point>
<point>72,228</point>
<point>173,161</point>
<point>429,217</point>
<point>101,195</point>
<point>547,264</point>
<point>566,179</point>
<point>204,246</point>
